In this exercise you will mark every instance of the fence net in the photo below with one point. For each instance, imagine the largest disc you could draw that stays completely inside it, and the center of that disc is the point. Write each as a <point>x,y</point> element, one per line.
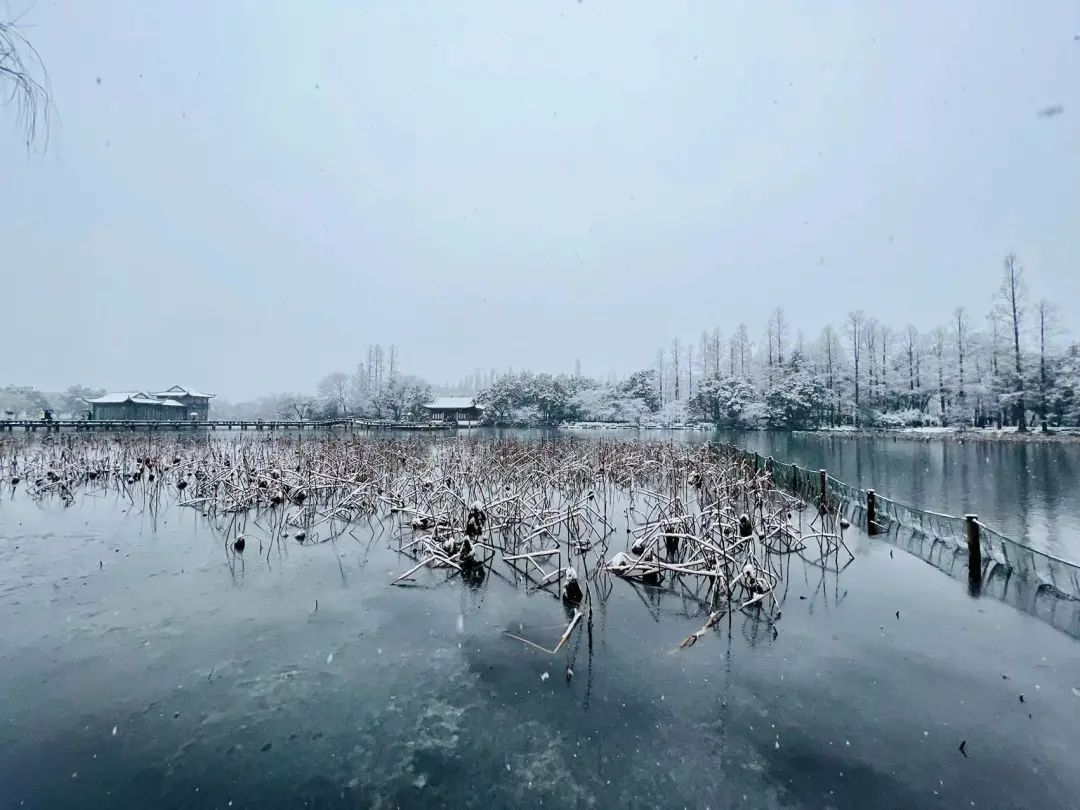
<point>937,538</point>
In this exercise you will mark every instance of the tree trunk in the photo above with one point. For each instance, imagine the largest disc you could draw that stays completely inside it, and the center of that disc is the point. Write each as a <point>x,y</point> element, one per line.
<point>675,366</point>
<point>961,328</point>
<point>1014,305</point>
<point>884,373</point>
<point>690,371</point>
<point>911,373</point>
<point>1042,367</point>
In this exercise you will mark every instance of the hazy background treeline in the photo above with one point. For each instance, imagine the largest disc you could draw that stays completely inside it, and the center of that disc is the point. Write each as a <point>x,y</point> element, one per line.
<point>1009,365</point>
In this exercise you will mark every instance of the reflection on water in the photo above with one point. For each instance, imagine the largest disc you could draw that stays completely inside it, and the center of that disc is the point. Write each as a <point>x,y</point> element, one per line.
<point>142,664</point>
<point>1025,491</point>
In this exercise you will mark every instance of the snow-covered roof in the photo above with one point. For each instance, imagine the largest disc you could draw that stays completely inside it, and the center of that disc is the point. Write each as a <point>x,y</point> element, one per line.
<point>179,390</point>
<point>122,396</point>
<point>135,397</point>
<point>453,404</point>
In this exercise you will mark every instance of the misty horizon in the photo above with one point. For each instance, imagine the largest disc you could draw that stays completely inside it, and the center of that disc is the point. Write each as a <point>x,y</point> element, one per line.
<point>499,187</point>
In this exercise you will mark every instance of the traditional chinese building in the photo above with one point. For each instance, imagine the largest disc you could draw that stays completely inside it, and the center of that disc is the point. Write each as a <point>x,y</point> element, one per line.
<point>462,410</point>
<point>197,405</point>
<point>175,404</point>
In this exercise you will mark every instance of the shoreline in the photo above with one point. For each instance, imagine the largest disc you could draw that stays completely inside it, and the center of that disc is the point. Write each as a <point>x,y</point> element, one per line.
<point>946,434</point>
<point>959,435</point>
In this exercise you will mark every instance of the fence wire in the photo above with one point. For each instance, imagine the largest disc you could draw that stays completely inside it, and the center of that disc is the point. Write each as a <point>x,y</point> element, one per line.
<point>945,534</point>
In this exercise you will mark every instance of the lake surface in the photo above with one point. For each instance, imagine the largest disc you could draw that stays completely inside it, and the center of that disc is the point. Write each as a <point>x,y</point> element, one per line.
<point>1026,491</point>
<point>144,665</point>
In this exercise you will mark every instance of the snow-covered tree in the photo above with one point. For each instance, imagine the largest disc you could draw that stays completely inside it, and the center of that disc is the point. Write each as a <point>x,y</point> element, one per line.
<point>402,397</point>
<point>333,391</point>
<point>1013,296</point>
<point>724,400</point>
<point>799,398</point>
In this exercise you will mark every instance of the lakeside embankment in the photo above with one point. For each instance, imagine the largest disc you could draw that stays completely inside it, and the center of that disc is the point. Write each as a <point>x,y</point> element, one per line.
<point>956,434</point>
<point>952,434</point>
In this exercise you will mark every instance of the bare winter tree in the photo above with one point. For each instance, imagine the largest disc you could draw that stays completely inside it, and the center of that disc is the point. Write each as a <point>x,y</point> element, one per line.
<point>960,326</point>
<point>912,348</point>
<point>704,355</point>
<point>870,344</point>
<point>334,389</point>
<point>24,84</point>
<point>779,330</point>
<point>883,377</point>
<point>391,361</point>
<point>1047,316</point>
<point>994,319</point>
<point>773,336</point>
<point>855,329</point>
<point>358,385</point>
<point>660,372</point>
<point>378,364</point>
<point>689,370</point>
<point>1013,295</point>
<point>675,365</point>
<point>831,353</point>
<point>742,341</point>
<point>295,406</point>
<point>769,344</point>
<point>937,345</point>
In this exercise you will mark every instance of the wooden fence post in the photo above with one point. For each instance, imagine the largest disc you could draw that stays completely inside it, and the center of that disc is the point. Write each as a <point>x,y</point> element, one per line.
<point>871,512</point>
<point>974,554</point>
<point>824,501</point>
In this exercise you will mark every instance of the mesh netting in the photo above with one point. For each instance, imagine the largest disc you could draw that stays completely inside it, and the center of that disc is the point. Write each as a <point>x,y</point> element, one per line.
<point>1061,574</point>
<point>938,538</point>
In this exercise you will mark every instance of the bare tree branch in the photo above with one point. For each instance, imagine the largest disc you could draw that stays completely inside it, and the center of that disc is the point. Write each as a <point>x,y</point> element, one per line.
<point>24,85</point>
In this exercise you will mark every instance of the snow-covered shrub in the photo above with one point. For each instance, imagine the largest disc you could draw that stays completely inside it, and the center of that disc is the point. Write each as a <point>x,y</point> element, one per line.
<point>910,417</point>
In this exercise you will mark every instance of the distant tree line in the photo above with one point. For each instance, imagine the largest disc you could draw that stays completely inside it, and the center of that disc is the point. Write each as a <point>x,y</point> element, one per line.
<point>1011,367</point>
<point>376,389</point>
<point>30,403</point>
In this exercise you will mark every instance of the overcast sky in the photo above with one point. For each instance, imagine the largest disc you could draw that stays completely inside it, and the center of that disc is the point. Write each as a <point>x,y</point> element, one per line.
<point>240,196</point>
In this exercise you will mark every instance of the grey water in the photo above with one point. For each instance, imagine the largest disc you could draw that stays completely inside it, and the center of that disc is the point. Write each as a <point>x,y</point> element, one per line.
<point>1027,491</point>
<point>143,664</point>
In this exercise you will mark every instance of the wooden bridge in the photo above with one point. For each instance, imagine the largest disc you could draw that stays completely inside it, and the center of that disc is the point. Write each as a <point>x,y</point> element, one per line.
<point>128,425</point>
